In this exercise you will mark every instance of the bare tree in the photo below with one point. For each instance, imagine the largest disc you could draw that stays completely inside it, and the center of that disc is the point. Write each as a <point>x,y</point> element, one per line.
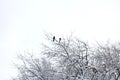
<point>71,59</point>
<point>34,69</point>
<point>71,55</point>
<point>107,60</point>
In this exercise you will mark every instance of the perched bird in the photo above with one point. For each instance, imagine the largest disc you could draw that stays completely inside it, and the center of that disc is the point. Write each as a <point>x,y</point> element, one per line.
<point>59,40</point>
<point>53,38</point>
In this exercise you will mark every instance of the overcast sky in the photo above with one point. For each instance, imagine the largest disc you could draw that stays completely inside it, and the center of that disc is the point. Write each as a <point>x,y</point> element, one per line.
<point>24,22</point>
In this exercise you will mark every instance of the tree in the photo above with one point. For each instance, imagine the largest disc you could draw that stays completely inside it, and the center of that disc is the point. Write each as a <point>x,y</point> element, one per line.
<point>34,69</point>
<point>71,59</point>
<point>71,55</point>
<point>107,61</point>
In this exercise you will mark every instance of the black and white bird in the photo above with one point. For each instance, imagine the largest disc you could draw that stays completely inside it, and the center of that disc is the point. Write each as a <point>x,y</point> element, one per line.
<point>59,40</point>
<point>53,38</point>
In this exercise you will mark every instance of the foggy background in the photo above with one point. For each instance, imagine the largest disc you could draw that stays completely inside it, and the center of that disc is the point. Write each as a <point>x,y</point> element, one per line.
<point>24,22</point>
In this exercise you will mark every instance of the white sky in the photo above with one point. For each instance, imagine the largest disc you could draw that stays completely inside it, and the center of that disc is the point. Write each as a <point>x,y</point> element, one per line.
<point>23,23</point>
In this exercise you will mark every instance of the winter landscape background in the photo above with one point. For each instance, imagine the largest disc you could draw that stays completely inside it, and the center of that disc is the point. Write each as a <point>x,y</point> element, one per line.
<point>23,25</point>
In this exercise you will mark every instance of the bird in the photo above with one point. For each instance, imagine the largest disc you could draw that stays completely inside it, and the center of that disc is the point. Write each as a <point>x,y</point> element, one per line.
<point>59,40</point>
<point>53,38</point>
